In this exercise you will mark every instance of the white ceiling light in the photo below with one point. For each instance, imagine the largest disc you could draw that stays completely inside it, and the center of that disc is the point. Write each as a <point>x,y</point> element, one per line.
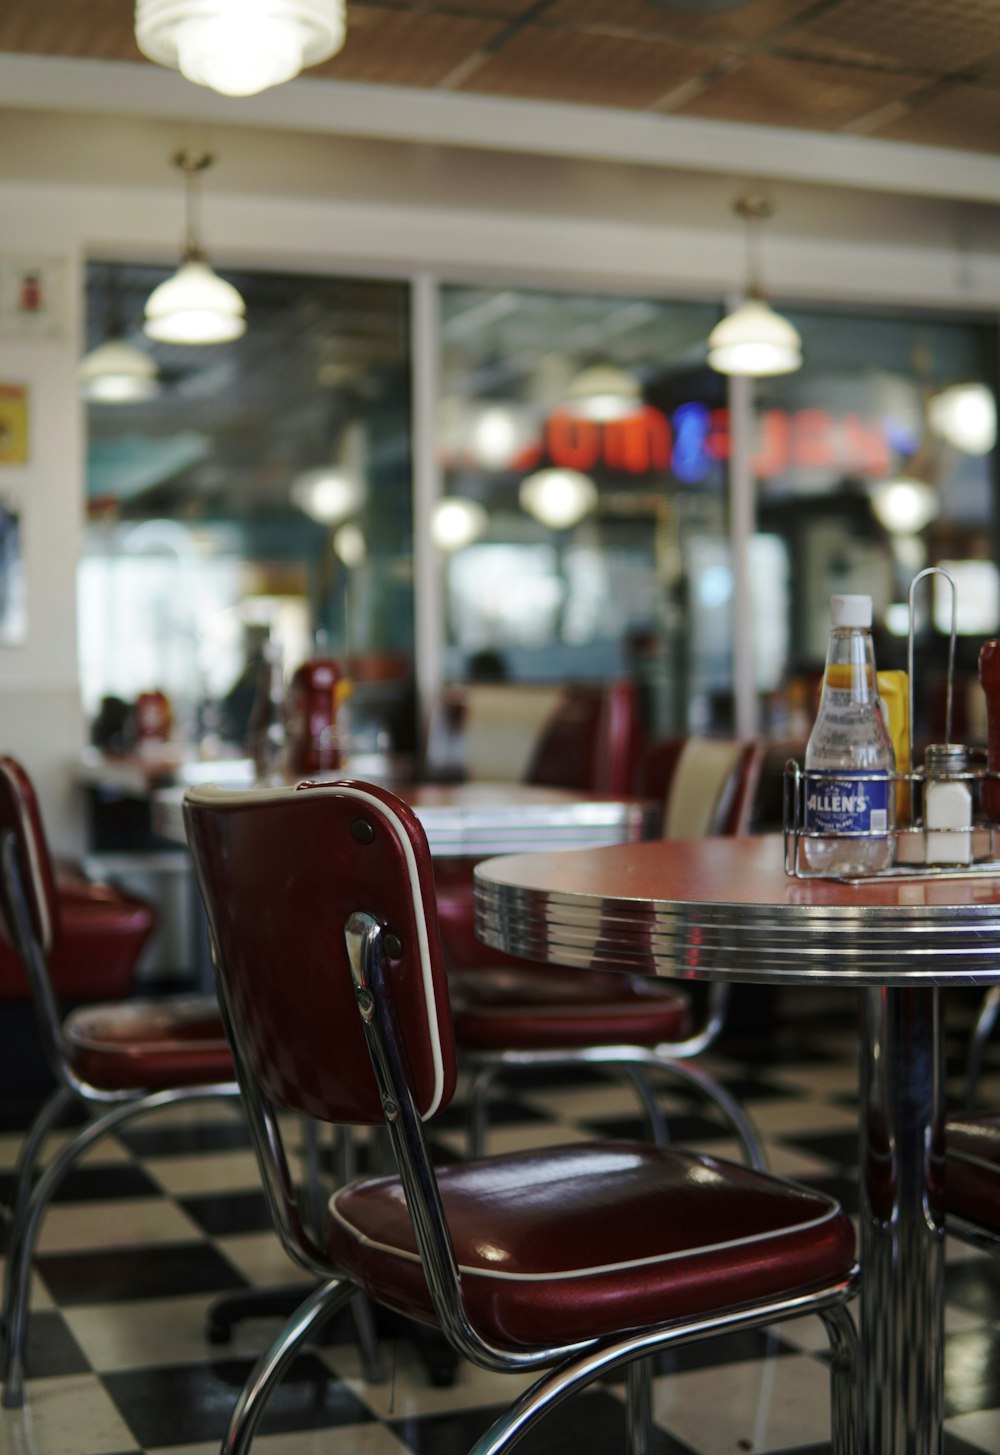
<point>497,434</point>
<point>116,373</point>
<point>904,505</point>
<point>602,392</point>
<point>239,47</point>
<point>350,544</point>
<point>558,498</point>
<point>457,522</point>
<point>327,495</point>
<point>195,306</point>
<point>753,341</point>
<point>965,415</point>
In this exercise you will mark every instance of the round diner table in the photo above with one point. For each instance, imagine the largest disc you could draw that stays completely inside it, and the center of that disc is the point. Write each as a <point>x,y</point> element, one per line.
<point>725,908</point>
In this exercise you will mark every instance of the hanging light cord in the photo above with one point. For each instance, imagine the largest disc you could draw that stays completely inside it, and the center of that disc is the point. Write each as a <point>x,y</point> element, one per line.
<point>192,164</point>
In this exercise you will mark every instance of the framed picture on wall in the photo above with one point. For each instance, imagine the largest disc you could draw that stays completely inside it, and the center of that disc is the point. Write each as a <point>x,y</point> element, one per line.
<point>13,424</point>
<point>13,592</point>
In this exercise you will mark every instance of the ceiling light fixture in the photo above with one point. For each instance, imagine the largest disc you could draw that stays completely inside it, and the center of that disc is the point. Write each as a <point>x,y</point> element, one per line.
<point>602,392</point>
<point>456,522</point>
<point>239,47</point>
<point>753,341</point>
<point>195,305</point>
<point>117,373</point>
<point>965,415</point>
<point>327,494</point>
<point>558,498</point>
<point>905,504</point>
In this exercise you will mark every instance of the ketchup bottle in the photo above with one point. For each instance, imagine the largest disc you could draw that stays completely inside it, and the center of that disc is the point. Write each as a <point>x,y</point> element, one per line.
<point>989,677</point>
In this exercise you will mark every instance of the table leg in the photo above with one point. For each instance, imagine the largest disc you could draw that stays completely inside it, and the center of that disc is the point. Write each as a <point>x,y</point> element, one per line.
<point>901,1384</point>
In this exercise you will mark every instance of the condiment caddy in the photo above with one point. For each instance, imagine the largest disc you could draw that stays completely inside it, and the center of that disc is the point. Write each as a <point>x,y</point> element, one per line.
<point>859,813</point>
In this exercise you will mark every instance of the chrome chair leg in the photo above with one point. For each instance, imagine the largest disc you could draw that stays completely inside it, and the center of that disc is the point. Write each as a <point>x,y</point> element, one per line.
<point>22,1248</point>
<point>727,1105</point>
<point>843,1339</point>
<point>27,1162</point>
<point>477,1098</point>
<point>644,1089</point>
<point>981,1032</point>
<point>639,1406</point>
<point>321,1305</point>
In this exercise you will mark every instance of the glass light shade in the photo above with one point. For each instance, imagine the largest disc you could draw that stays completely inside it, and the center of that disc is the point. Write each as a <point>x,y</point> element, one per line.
<point>965,415</point>
<point>558,498</point>
<point>904,506</point>
<point>755,342</point>
<point>350,544</point>
<point>195,306</point>
<point>116,373</point>
<point>457,522</point>
<point>497,434</point>
<point>327,495</point>
<point>239,47</point>
<point>602,392</point>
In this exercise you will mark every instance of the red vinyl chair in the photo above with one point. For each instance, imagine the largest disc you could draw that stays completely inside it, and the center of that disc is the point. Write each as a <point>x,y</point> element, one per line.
<point>116,1058</point>
<point>514,1015</point>
<point>972,1180</point>
<point>573,1260</point>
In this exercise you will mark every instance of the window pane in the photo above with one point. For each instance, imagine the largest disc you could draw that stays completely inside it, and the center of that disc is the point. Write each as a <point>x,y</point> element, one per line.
<point>264,489</point>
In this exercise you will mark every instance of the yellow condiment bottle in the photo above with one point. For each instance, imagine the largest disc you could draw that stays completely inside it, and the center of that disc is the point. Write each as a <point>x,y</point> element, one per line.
<point>894,691</point>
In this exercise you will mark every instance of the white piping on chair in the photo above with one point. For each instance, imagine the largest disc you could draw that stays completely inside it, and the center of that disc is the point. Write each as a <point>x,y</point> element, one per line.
<point>211,796</point>
<point>590,1271</point>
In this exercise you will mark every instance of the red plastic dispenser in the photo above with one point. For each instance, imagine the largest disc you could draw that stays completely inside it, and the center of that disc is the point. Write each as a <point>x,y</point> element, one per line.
<point>315,694</point>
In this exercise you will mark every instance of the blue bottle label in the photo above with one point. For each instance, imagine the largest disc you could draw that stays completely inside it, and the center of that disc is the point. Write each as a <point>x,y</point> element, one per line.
<point>847,803</point>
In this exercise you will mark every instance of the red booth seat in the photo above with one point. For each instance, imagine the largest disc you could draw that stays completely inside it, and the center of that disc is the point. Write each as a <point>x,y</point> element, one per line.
<point>101,935</point>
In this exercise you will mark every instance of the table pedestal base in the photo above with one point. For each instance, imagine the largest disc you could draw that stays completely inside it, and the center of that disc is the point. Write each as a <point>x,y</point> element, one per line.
<point>901,1384</point>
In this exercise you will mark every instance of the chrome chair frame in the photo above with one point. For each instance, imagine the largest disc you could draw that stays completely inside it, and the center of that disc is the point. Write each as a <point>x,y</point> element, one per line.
<point>732,814</point>
<point>33,1190</point>
<point>569,1367</point>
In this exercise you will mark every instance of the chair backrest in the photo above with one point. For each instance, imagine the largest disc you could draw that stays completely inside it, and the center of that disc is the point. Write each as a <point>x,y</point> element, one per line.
<point>585,735</point>
<point>23,838</point>
<point>281,871</point>
<point>708,785</point>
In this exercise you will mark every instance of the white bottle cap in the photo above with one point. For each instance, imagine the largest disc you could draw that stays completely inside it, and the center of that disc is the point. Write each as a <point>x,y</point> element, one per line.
<point>851,611</point>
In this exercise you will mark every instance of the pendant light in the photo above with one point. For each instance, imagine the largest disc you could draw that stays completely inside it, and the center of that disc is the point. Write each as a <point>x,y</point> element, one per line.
<point>602,392</point>
<point>558,498</point>
<point>239,47</point>
<point>115,372</point>
<point>753,341</point>
<point>195,306</point>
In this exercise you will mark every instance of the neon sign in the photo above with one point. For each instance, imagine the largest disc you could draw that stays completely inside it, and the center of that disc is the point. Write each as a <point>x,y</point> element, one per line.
<point>693,439</point>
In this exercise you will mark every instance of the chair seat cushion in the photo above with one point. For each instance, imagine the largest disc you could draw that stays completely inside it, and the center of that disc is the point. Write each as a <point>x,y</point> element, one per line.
<point>102,932</point>
<point>149,1044</point>
<point>573,1242</point>
<point>544,1008</point>
<point>972,1170</point>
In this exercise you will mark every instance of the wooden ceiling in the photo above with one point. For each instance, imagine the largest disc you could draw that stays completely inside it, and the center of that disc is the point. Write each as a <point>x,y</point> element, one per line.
<point>925,71</point>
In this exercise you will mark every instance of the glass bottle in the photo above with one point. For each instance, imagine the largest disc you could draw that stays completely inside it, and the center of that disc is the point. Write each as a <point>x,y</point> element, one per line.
<point>849,791</point>
<point>266,735</point>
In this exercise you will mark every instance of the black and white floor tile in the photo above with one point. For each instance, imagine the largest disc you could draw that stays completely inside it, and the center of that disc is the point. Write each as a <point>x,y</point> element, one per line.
<point>161,1221</point>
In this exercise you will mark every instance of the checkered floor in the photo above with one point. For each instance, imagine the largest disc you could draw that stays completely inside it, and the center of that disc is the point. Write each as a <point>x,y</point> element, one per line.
<point>162,1220</point>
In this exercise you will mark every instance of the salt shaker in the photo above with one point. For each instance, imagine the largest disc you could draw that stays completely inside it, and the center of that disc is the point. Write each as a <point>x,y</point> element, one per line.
<point>947,804</point>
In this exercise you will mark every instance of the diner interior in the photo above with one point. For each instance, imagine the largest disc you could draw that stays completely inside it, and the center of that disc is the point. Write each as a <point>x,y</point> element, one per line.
<point>464,500</point>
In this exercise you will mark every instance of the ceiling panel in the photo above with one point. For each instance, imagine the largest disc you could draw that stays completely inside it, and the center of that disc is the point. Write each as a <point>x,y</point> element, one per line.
<point>781,92</point>
<point>574,66</point>
<point>921,70</point>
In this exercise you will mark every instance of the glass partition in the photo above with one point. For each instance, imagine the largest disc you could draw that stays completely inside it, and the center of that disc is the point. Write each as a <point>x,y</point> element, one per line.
<point>585,439</point>
<point>875,460</point>
<point>262,492</point>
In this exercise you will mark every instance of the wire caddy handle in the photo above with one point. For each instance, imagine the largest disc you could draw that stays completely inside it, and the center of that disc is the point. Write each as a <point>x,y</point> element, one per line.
<point>920,850</point>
